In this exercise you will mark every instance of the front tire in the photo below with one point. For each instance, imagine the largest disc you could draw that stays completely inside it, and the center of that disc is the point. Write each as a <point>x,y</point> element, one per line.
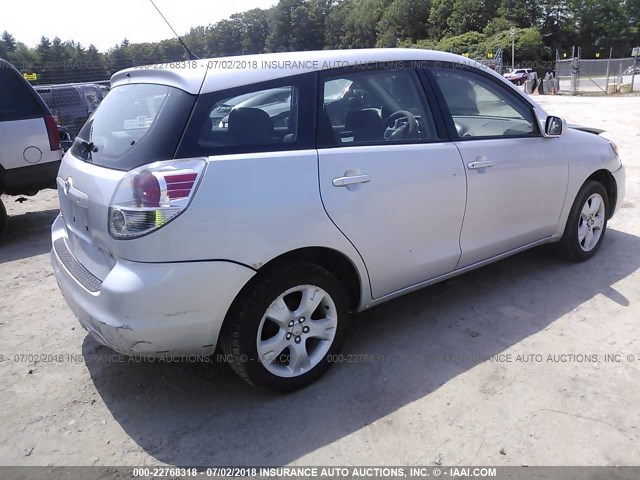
<point>282,334</point>
<point>587,223</point>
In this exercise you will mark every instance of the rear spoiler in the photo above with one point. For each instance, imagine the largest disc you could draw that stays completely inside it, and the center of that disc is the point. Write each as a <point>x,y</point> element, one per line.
<point>595,131</point>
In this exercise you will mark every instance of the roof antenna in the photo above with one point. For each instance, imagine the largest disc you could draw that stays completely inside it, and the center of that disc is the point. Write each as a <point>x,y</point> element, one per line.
<point>192,56</point>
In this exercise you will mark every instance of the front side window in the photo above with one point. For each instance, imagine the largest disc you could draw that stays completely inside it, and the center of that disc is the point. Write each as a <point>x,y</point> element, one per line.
<point>480,107</point>
<point>376,106</point>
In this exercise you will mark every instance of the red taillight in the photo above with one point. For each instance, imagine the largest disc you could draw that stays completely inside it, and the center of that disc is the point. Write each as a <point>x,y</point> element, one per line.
<point>146,190</point>
<point>152,196</point>
<point>52,131</point>
<point>179,186</point>
<point>153,189</point>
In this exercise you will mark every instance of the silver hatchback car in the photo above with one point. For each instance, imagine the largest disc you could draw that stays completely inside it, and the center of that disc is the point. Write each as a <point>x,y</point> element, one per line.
<point>388,170</point>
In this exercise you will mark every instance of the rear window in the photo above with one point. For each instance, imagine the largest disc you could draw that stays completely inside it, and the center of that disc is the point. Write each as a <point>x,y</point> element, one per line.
<point>17,101</point>
<point>134,125</point>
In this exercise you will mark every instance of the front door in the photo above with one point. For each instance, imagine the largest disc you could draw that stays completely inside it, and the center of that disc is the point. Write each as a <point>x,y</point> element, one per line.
<point>516,178</point>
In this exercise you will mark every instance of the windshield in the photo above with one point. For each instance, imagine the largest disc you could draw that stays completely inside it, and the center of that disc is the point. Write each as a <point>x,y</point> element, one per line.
<point>134,125</point>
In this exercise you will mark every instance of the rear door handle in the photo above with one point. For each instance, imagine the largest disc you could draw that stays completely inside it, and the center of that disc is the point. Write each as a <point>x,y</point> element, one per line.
<point>480,164</point>
<point>351,180</point>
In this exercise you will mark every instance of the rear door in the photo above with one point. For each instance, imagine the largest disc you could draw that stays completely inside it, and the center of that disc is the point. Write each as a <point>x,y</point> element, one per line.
<point>388,179</point>
<point>517,178</point>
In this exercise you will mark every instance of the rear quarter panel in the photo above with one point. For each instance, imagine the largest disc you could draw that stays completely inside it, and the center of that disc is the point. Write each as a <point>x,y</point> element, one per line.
<point>18,135</point>
<point>249,208</point>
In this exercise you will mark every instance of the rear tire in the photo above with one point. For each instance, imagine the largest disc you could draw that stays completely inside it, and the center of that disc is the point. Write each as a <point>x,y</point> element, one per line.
<point>282,334</point>
<point>587,223</point>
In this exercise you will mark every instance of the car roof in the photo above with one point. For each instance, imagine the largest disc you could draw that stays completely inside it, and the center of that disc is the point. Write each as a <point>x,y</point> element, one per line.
<point>215,74</point>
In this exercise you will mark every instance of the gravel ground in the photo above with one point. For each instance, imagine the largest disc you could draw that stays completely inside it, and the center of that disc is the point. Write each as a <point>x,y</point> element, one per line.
<point>548,397</point>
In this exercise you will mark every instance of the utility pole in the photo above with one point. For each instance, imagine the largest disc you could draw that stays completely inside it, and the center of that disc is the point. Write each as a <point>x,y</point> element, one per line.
<point>512,32</point>
<point>635,52</point>
<point>606,85</point>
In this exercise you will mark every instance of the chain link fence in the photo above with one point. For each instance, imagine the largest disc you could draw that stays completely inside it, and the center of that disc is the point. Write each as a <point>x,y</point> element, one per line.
<point>73,89</point>
<point>71,104</point>
<point>605,76</point>
<point>495,62</point>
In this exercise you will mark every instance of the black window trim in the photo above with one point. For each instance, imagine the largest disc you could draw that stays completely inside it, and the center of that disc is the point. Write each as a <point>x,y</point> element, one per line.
<point>428,97</point>
<point>448,118</point>
<point>305,136</point>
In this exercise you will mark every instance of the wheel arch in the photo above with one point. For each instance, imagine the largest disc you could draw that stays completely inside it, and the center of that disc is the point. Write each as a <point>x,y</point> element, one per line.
<point>332,260</point>
<point>606,179</point>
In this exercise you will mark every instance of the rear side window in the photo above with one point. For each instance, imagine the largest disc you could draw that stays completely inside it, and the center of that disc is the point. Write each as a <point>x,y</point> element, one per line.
<point>67,96</point>
<point>134,125</point>
<point>17,101</point>
<point>261,117</point>
<point>255,117</point>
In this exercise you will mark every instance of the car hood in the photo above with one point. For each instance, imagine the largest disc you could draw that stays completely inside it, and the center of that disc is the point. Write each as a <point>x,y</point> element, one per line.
<point>595,131</point>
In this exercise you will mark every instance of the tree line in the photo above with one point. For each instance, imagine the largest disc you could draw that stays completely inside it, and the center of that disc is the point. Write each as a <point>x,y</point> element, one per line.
<point>476,28</point>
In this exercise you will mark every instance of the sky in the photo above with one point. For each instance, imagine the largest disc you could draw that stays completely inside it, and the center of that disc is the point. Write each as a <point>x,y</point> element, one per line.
<point>106,23</point>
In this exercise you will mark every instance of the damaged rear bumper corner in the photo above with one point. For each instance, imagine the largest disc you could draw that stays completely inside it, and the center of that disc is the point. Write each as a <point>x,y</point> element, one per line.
<point>155,309</point>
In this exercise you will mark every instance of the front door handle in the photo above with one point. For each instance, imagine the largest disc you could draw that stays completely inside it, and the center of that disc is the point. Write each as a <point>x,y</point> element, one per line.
<point>480,164</point>
<point>351,180</point>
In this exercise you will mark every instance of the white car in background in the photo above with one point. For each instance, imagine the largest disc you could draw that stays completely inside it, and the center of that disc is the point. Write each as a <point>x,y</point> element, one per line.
<point>397,170</point>
<point>30,150</point>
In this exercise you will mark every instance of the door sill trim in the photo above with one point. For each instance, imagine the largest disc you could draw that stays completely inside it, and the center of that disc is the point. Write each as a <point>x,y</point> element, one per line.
<point>455,273</point>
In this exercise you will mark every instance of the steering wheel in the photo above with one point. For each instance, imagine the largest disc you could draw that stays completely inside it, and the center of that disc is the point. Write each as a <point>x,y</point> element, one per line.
<point>401,130</point>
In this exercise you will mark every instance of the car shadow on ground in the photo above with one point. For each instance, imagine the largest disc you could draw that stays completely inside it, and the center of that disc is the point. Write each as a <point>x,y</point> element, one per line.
<point>28,234</point>
<point>198,414</point>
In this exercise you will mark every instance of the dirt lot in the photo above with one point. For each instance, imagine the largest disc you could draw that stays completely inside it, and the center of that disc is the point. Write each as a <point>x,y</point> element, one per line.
<point>436,398</point>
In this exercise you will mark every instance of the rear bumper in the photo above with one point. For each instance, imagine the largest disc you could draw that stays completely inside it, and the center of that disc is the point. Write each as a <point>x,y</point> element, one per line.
<point>152,309</point>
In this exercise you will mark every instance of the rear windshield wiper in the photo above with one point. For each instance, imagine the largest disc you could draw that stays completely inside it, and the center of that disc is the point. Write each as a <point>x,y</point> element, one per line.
<point>86,149</point>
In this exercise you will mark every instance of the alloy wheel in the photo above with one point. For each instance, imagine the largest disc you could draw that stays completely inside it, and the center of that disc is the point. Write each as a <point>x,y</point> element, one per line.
<point>297,331</point>
<point>591,222</point>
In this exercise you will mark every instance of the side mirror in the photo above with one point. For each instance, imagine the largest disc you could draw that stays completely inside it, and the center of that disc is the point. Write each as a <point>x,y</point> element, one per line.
<point>553,127</point>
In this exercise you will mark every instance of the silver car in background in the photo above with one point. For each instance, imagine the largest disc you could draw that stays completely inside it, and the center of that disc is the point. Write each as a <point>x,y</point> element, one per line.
<point>396,169</point>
